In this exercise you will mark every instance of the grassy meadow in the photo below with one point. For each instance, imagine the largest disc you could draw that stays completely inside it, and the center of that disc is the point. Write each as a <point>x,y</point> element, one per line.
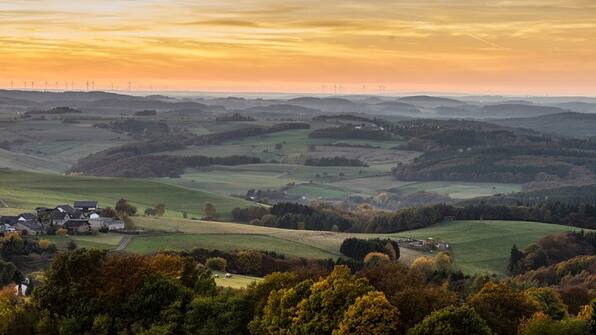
<point>484,246</point>
<point>27,190</point>
<point>478,246</point>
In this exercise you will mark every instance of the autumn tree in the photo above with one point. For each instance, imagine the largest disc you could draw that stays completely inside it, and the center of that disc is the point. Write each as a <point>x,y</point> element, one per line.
<point>452,320</point>
<point>7,273</point>
<point>210,212</point>
<point>205,283</point>
<point>124,207</point>
<point>549,301</point>
<point>189,273</point>
<point>502,307</point>
<point>216,263</point>
<point>160,209</point>
<point>371,314</point>
<point>542,324</point>
<point>409,291</point>
<point>330,297</point>
<point>376,258</point>
<point>280,310</point>
<point>515,258</point>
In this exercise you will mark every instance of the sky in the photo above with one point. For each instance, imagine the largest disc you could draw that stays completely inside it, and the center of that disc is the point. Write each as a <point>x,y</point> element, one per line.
<point>536,47</point>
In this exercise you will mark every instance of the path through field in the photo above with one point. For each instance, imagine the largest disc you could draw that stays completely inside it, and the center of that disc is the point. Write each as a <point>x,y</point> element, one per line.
<point>123,243</point>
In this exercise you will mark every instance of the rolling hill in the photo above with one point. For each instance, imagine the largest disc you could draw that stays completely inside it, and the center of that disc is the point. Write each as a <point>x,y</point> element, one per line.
<point>569,124</point>
<point>27,190</point>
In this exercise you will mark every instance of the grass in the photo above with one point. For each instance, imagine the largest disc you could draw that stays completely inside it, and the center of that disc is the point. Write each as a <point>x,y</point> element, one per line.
<point>484,246</point>
<point>225,241</point>
<point>478,246</point>
<point>98,241</point>
<point>237,281</point>
<point>30,190</point>
<point>461,190</point>
<point>228,180</point>
<point>290,242</point>
<point>52,145</point>
<point>456,190</point>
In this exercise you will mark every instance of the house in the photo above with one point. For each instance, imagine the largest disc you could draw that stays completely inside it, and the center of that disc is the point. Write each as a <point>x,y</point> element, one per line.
<point>58,218</point>
<point>26,217</point>
<point>86,206</point>
<point>106,223</point>
<point>66,209</point>
<point>29,227</point>
<point>8,220</point>
<point>77,226</point>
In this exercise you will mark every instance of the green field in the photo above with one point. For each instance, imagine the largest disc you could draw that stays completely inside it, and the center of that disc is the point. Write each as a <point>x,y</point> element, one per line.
<point>98,241</point>
<point>237,281</point>
<point>478,246</point>
<point>51,145</point>
<point>228,180</point>
<point>31,190</point>
<point>323,244</point>
<point>228,242</point>
<point>484,246</point>
<point>454,189</point>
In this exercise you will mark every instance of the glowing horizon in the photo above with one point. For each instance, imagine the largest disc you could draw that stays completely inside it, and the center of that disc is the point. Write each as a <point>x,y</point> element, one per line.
<point>519,47</point>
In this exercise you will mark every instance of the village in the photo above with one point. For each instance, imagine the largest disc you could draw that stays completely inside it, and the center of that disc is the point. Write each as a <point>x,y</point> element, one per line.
<point>83,217</point>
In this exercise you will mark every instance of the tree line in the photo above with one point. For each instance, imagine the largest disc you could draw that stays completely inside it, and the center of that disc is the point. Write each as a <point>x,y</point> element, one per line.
<point>96,292</point>
<point>334,161</point>
<point>325,217</point>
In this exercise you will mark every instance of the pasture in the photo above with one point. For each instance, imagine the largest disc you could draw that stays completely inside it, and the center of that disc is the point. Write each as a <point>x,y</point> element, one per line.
<point>228,180</point>
<point>31,190</point>
<point>295,242</point>
<point>454,189</point>
<point>478,246</point>
<point>236,281</point>
<point>484,246</point>
<point>227,242</point>
<point>52,145</point>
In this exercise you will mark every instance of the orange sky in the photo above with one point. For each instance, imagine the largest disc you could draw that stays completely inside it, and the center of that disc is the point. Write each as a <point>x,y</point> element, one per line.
<point>468,46</point>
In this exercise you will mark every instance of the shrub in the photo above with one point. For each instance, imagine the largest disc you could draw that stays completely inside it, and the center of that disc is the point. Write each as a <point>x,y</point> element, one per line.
<point>376,258</point>
<point>216,264</point>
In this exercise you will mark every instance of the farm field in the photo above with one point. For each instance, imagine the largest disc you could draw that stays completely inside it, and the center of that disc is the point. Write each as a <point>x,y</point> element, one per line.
<point>228,180</point>
<point>325,243</point>
<point>98,241</point>
<point>228,241</point>
<point>237,281</point>
<point>456,190</point>
<point>31,190</point>
<point>484,246</point>
<point>52,145</point>
<point>478,246</point>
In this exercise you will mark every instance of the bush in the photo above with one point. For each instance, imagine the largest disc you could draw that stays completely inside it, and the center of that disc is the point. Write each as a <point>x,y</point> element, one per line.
<point>217,264</point>
<point>452,321</point>
<point>375,258</point>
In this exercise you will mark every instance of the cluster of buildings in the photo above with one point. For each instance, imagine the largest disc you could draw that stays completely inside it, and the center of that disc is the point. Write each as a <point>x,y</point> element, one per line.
<point>429,245</point>
<point>83,217</point>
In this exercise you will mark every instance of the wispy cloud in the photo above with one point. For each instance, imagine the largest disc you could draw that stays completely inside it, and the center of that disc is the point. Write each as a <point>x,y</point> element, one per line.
<point>307,42</point>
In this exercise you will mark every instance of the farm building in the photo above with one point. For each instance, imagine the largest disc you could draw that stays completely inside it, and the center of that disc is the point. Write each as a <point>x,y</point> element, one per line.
<point>78,226</point>
<point>98,223</point>
<point>86,206</point>
<point>32,227</point>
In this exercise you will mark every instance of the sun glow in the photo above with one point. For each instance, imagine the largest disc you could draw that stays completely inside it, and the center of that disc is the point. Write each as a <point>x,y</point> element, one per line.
<point>523,46</point>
